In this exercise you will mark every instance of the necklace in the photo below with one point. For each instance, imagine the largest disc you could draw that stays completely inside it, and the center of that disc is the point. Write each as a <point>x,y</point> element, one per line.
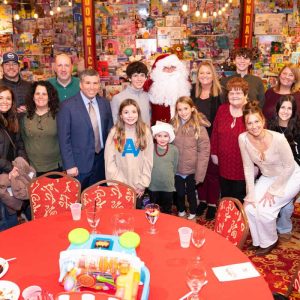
<point>282,131</point>
<point>164,153</point>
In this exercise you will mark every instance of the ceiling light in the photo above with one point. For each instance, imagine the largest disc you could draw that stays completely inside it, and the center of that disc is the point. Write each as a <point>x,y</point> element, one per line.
<point>184,7</point>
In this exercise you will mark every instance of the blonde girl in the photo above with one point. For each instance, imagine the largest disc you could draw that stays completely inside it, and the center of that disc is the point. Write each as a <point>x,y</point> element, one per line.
<point>129,149</point>
<point>192,141</point>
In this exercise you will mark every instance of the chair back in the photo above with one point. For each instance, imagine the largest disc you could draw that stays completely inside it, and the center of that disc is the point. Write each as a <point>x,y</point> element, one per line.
<point>109,194</point>
<point>52,193</point>
<point>295,283</point>
<point>231,221</point>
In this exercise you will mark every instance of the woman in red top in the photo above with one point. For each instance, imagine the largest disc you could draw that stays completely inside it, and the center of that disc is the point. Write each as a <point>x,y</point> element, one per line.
<point>225,152</point>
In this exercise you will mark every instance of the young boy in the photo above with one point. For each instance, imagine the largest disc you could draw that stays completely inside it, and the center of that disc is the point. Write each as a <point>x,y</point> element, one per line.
<point>165,160</point>
<point>242,59</point>
<point>137,74</point>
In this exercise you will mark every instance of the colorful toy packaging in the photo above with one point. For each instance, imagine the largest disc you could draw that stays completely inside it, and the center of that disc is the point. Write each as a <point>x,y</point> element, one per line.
<point>98,270</point>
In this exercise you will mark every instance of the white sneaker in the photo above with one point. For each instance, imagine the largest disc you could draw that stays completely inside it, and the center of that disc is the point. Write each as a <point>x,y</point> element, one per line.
<point>182,214</point>
<point>191,217</point>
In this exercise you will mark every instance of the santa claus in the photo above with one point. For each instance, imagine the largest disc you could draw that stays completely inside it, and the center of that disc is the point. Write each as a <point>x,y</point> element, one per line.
<point>168,81</point>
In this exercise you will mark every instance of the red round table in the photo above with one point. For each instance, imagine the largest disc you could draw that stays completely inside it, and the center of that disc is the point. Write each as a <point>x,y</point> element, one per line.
<point>37,245</point>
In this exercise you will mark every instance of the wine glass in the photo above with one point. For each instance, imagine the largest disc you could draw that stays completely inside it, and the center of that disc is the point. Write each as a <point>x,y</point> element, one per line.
<point>152,214</point>
<point>196,277</point>
<point>93,217</point>
<point>198,236</point>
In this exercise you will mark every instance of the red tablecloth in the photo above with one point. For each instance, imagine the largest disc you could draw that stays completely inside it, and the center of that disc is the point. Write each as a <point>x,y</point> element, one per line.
<point>37,245</point>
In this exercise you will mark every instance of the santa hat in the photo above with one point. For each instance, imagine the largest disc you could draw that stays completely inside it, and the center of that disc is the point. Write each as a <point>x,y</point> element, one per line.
<point>163,127</point>
<point>166,60</point>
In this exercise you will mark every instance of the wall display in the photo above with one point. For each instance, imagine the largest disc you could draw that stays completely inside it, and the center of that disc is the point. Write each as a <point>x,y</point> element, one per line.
<point>277,29</point>
<point>270,24</point>
<point>6,26</point>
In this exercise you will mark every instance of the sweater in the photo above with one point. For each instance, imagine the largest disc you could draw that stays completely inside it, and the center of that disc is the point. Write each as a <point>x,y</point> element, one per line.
<point>164,169</point>
<point>193,154</point>
<point>256,87</point>
<point>65,92</point>
<point>131,166</point>
<point>22,89</point>
<point>272,98</point>
<point>279,162</point>
<point>141,97</point>
<point>41,142</point>
<point>209,108</point>
<point>224,143</point>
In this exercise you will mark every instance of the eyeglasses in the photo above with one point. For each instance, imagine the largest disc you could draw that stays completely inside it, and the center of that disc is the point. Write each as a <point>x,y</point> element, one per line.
<point>39,124</point>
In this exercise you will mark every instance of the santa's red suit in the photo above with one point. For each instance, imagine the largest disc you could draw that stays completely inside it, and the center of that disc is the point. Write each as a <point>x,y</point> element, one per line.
<point>166,87</point>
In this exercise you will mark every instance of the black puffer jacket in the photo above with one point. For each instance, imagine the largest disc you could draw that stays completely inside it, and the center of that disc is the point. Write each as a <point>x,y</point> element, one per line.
<point>11,146</point>
<point>21,89</point>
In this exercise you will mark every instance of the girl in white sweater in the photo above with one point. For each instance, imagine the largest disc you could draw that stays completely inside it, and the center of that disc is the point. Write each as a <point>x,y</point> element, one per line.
<point>129,149</point>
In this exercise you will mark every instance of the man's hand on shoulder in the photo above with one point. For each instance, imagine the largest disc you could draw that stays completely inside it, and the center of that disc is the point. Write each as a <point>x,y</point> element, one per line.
<point>73,172</point>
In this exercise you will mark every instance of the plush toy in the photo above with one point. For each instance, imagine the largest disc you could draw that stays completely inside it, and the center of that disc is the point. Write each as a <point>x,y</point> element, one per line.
<point>178,50</point>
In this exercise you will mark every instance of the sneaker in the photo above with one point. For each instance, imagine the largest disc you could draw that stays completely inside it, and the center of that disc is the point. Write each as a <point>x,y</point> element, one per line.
<point>191,216</point>
<point>210,213</point>
<point>182,214</point>
<point>201,208</point>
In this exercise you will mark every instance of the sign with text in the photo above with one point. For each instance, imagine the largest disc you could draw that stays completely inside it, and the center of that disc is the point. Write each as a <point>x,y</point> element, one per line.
<point>89,41</point>
<point>247,29</point>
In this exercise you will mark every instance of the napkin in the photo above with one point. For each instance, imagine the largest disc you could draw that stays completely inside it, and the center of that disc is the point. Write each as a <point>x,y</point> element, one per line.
<point>235,272</point>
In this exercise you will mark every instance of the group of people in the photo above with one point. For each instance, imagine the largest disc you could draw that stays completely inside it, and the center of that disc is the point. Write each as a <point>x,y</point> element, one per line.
<point>214,137</point>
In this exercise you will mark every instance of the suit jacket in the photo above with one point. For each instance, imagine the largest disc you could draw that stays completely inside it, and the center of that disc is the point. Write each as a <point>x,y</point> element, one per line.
<point>75,132</point>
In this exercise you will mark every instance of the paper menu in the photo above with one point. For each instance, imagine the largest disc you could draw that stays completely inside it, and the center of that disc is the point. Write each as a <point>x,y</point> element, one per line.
<point>235,272</point>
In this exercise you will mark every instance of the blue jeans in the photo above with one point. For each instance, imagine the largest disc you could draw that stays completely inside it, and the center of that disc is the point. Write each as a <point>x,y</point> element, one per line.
<point>284,222</point>
<point>6,220</point>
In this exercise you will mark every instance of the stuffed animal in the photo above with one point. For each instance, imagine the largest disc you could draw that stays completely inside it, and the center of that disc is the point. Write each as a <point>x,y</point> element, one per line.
<point>19,184</point>
<point>13,204</point>
<point>178,50</point>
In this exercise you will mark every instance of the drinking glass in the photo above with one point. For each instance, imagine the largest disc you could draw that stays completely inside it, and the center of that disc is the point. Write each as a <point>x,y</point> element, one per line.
<point>152,214</point>
<point>93,217</point>
<point>198,236</point>
<point>195,277</point>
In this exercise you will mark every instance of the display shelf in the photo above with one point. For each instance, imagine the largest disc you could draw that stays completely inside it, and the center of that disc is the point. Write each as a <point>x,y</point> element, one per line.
<point>207,35</point>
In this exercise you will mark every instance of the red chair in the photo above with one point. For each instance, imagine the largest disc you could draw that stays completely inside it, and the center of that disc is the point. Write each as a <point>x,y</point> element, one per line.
<point>231,221</point>
<point>109,194</point>
<point>52,193</point>
<point>294,286</point>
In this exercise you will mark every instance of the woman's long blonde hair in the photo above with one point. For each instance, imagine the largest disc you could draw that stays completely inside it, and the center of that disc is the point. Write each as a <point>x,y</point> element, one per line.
<point>195,122</point>
<point>296,72</point>
<point>140,128</point>
<point>216,86</point>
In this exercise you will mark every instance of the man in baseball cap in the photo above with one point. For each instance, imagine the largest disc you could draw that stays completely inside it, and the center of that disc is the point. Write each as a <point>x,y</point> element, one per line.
<point>12,79</point>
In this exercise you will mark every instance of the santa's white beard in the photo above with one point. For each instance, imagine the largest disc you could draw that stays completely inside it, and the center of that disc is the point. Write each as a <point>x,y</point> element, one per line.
<point>168,87</point>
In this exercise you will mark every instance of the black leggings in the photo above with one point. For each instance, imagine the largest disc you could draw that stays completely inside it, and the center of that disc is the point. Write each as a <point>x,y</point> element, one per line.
<point>163,199</point>
<point>233,188</point>
<point>186,186</point>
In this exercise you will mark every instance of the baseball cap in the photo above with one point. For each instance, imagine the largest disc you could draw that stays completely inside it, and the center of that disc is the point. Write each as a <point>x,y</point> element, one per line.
<point>10,56</point>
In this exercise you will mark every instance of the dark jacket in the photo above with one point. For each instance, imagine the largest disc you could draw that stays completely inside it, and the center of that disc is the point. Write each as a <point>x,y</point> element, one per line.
<point>21,89</point>
<point>11,146</point>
